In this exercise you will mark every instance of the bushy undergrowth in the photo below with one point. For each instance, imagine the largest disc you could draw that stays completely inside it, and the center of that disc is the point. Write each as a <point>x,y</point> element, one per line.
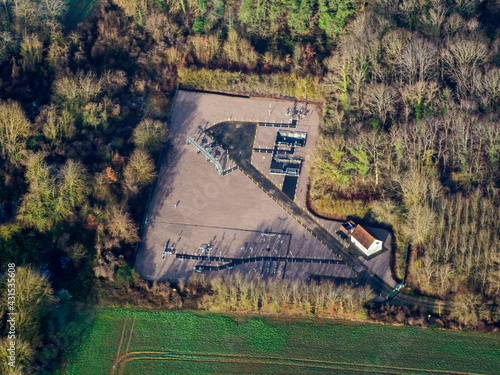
<point>281,84</point>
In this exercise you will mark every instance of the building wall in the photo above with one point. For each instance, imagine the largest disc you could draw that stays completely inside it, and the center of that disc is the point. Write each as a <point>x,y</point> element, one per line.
<point>375,246</point>
<point>359,246</point>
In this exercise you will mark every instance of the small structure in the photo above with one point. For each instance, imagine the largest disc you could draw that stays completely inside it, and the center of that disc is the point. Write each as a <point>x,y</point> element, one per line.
<point>168,249</point>
<point>362,238</point>
<point>206,248</point>
<point>290,138</point>
<point>285,165</point>
<point>206,151</point>
<point>348,227</point>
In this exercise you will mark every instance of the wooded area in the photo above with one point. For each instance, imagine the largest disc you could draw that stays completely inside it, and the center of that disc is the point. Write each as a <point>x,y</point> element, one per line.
<point>412,129</point>
<point>411,138</point>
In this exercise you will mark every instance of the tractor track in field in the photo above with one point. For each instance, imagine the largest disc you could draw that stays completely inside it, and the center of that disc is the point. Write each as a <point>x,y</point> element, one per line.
<point>364,371</point>
<point>276,361</point>
<point>117,357</point>
<point>171,355</point>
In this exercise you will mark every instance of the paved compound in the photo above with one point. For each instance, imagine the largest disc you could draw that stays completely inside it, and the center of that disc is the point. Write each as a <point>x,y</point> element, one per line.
<point>193,205</point>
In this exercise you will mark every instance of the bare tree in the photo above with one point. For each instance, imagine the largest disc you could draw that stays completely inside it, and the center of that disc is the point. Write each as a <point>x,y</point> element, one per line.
<point>239,50</point>
<point>120,225</point>
<point>113,81</point>
<point>135,8</point>
<point>459,53</point>
<point>453,24</point>
<point>77,89</point>
<point>420,223</point>
<point>34,297</point>
<point>56,125</point>
<point>381,100</point>
<point>468,308</point>
<point>418,61</point>
<point>6,43</point>
<point>139,171</point>
<point>206,48</point>
<point>431,23</point>
<point>415,185</point>
<point>393,43</point>
<point>77,253</point>
<point>14,130</point>
<point>489,87</point>
<point>23,358</point>
<point>73,185</point>
<point>150,135</point>
<point>416,96</point>
<point>388,212</point>
<point>374,143</point>
<point>493,277</point>
<point>37,206</point>
<point>54,8</point>
<point>409,11</point>
<point>26,14</point>
<point>466,7</point>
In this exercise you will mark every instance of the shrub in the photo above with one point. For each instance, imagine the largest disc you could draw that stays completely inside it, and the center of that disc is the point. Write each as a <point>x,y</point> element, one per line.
<point>150,135</point>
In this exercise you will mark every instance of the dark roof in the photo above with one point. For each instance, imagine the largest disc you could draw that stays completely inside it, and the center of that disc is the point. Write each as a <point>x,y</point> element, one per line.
<point>363,236</point>
<point>291,167</point>
<point>291,138</point>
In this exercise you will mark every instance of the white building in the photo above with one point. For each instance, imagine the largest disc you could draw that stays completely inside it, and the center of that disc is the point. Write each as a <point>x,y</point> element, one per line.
<point>362,238</point>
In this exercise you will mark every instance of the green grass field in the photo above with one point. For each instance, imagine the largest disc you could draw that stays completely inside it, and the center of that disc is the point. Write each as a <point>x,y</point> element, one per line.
<point>191,343</point>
